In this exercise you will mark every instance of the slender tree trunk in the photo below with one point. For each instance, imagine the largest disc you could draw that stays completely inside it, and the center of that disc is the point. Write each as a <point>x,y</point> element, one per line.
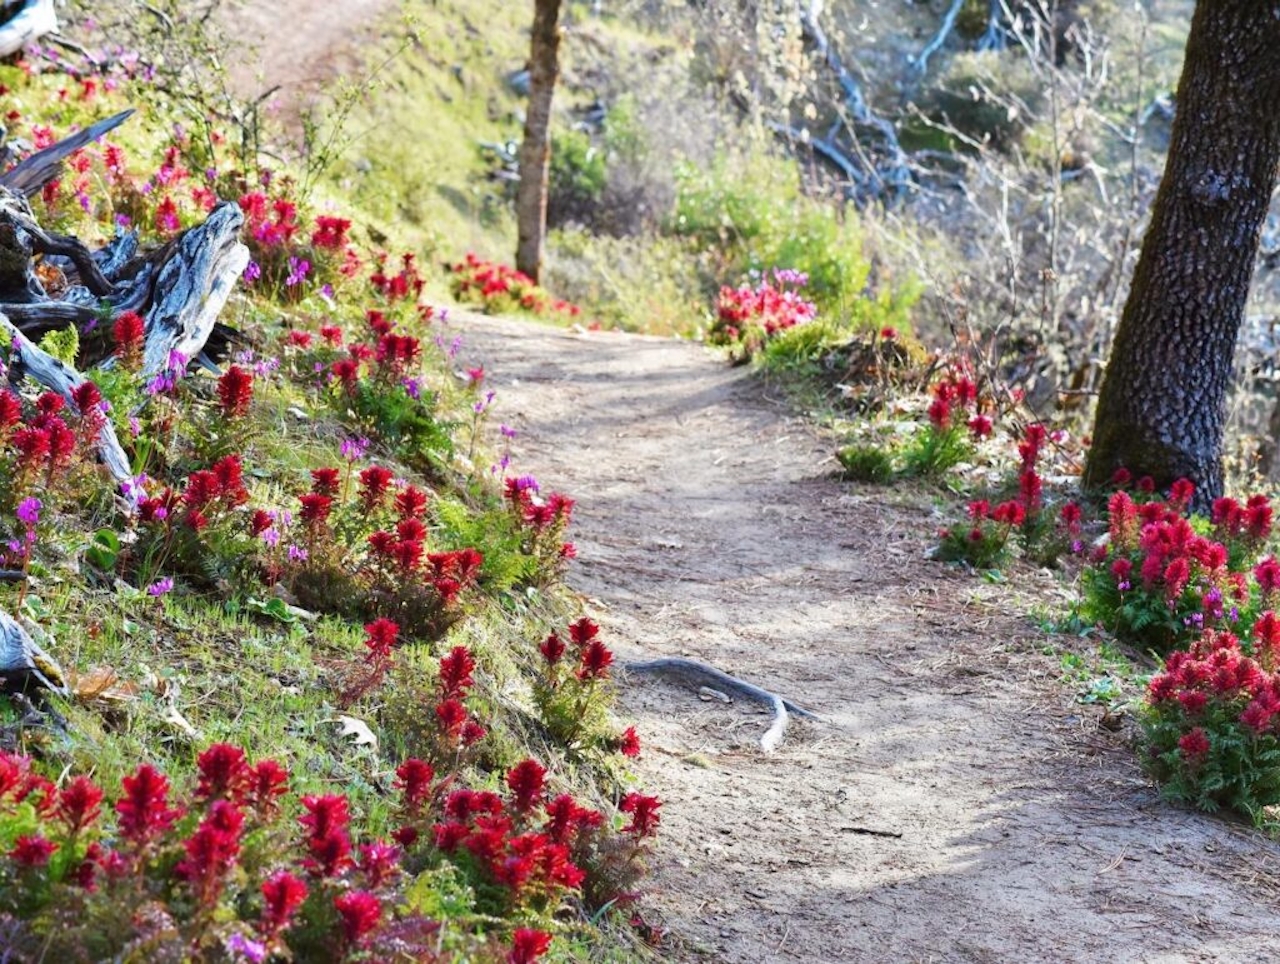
<point>1162,407</point>
<point>535,152</point>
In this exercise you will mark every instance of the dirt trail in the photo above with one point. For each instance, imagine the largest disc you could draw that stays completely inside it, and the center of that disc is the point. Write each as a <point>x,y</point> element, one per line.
<point>709,525</point>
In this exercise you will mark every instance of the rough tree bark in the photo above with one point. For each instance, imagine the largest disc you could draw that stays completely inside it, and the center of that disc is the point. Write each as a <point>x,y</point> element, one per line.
<point>1162,408</point>
<point>535,152</point>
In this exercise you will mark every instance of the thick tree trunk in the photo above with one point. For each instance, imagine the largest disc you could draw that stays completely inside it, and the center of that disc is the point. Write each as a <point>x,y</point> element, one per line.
<point>1163,402</point>
<point>535,152</point>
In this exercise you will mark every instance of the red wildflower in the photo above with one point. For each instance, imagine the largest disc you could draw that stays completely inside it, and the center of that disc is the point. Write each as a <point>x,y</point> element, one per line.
<point>259,522</point>
<point>583,631</point>
<point>552,649</point>
<point>455,673</point>
<point>315,509</point>
<point>10,409</point>
<point>32,850</point>
<point>330,233</point>
<point>128,333</point>
<point>980,426</point>
<point>527,946</point>
<point>379,862</point>
<point>1146,484</point>
<point>332,335</point>
<point>413,779</point>
<point>79,804</point>
<point>411,502</point>
<point>381,638</point>
<point>266,782</point>
<point>1258,517</point>
<point>223,772</point>
<point>347,371</point>
<point>235,392</point>
<point>326,481</point>
<point>212,850</point>
<point>940,413</point>
<point>596,658</point>
<point>360,913</point>
<point>1121,477</point>
<point>630,745</point>
<point>1194,745</point>
<point>526,780</point>
<point>565,818</point>
<point>452,715</point>
<point>144,809</point>
<point>1181,493</point>
<point>282,895</point>
<point>1009,513</point>
<point>1072,516</point>
<point>644,814</point>
<point>374,483</point>
<point>328,843</point>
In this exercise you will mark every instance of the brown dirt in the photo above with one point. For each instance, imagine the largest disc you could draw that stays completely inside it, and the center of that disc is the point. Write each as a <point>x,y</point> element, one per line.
<point>710,525</point>
<point>299,45</point>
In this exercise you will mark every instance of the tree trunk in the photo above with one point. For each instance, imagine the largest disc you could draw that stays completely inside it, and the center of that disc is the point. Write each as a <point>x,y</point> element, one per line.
<point>1163,402</point>
<point>535,152</point>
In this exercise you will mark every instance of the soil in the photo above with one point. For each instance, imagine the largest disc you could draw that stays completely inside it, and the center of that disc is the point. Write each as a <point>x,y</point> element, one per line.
<point>956,804</point>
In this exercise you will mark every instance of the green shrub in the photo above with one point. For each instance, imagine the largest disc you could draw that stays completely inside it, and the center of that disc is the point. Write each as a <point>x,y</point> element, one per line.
<point>866,463</point>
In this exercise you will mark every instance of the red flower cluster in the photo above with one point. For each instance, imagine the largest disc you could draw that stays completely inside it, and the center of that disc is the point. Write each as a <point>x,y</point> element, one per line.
<point>1214,671</point>
<point>954,396</point>
<point>758,313</point>
<point>270,221</point>
<point>330,233</point>
<point>208,494</point>
<point>497,288</point>
<point>406,283</point>
<point>46,443</point>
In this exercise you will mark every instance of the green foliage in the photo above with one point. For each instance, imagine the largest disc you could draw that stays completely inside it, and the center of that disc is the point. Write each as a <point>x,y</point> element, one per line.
<point>866,463</point>
<point>936,449</point>
<point>753,216</point>
<point>578,174</point>
<point>1240,770</point>
<point>63,344</point>
<point>983,545</point>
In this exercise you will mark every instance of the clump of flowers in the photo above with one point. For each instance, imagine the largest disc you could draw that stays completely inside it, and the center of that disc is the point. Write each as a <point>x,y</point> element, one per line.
<point>543,521</point>
<point>498,289</point>
<point>219,863</point>
<point>1159,582</point>
<point>750,315</point>
<point>954,418</point>
<point>1212,721</point>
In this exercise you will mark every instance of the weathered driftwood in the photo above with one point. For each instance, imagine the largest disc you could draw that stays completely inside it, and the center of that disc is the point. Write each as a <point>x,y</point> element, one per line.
<point>35,19</point>
<point>192,287</point>
<point>179,288</point>
<point>33,173</point>
<point>23,662</point>
<point>26,358</point>
<point>934,45</point>
<point>698,674</point>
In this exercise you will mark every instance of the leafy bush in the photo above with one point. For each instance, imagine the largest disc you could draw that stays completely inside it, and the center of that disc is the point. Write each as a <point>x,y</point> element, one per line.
<point>1161,579</point>
<point>1212,721</point>
<point>866,463</point>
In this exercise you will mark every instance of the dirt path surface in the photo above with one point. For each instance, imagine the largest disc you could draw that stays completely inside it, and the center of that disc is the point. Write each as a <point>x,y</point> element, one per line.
<point>300,45</point>
<point>956,805</point>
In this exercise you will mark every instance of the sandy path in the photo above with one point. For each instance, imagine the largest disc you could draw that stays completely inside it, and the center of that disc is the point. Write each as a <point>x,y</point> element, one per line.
<point>709,526</point>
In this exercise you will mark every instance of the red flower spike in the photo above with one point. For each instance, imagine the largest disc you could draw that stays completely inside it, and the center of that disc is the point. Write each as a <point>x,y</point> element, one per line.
<point>315,509</point>
<point>583,631</point>
<point>413,780</point>
<point>360,913</point>
<point>596,659</point>
<point>374,483</point>
<point>326,481</point>
<point>630,744</point>
<point>381,638</point>
<point>527,946</point>
<point>526,780</point>
<point>282,895</point>
<point>224,773</point>
<point>144,810</point>
<point>235,392</point>
<point>379,862</point>
<point>128,332</point>
<point>455,673</point>
<point>32,850</point>
<point>79,804</point>
<point>644,814</point>
<point>265,784</point>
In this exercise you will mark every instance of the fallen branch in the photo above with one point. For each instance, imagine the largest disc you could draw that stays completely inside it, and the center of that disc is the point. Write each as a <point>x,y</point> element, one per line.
<point>699,674</point>
<point>31,175</point>
<point>33,21</point>
<point>22,661</point>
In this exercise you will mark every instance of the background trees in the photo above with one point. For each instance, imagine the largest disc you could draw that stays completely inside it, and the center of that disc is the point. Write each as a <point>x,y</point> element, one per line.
<point>535,152</point>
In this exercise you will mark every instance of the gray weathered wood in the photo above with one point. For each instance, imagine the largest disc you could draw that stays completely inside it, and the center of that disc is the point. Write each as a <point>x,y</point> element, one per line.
<point>33,21</point>
<point>23,661</point>
<point>31,175</point>
<point>192,288</point>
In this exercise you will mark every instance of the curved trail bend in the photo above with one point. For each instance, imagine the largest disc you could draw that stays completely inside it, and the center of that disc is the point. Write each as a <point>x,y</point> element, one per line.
<point>955,805</point>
